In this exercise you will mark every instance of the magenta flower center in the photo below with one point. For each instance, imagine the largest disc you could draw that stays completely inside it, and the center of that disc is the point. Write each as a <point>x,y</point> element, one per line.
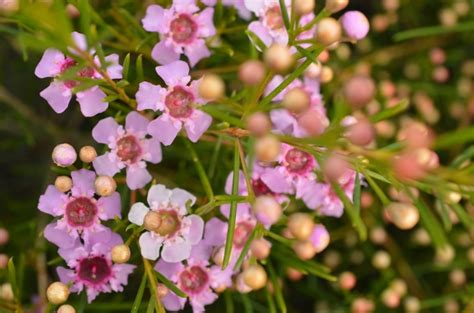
<point>128,149</point>
<point>273,18</point>
<point>94,270</point>
<point>297,160</point>
<point>183,28</point>
<point>179,102</point>
<point>242,233</point>
<point>260,188</point>
<point>67,64</point>
<point>193,279</point>
<point>81,212</point>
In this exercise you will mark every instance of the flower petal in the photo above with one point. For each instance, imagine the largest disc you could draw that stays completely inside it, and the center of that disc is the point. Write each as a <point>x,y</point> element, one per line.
<point>57,96</point>
<point>114,69</point>
<point>174,72</point>
<point>163,129</point>
<point>59,237</point>
<point>198,125</point>
<point>137,177</point>
<point>153,147</point>
<point>158,194</point>
<point>50,64</point>
<point>261,32</point>
<point>83,183</point>
<point>149,96</point>
<point>152,21</point>
<point>92,101</point>
<point>164,54</point>
<point>176,252</point>
<point>110,206</point>
<point>105,131</point>
<point>135,122</point>
<point>197,52</point>
<point>179,197</point>
<point>52,201</point>
<point>137,213</point>
<point>150,246</point>
<point>254,5</point>
<point>103,165</point>
<point>168,269</point>
<point>196,230</point>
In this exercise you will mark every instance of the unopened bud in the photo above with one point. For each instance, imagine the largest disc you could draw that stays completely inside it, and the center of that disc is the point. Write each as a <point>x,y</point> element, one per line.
<point>355,25</point>
<point>260,248</point>
<point>390,298</point>
<point>64,155</point>
<point>121,254</point>
<point>304,249</point>
<point>297,100</point>
<point>6,292</point>
<point>66,308</point>
<point>4,236</point>
<point>313,122</point>
<point>359,91</point>
<point>303,7</point>
<point>381,260</point>
<point>57,293</point>
<point>3,261</point>
<point>334,6</point>
<point>152,221</point>
<point>161,291</point>
<point>279,58</point>
<point>259,123</point>
<point>87,154</point>
<point>361,133</point>
<point>403,215</point>
<point>347,280</point>
<point>267,210</point>
<point>211,87</point>
<point>255,277</point>
<point>267,148</point>
<point>105,186</point>
<point>328,31</point>
<point>301,225</point>
<point>63,183</point>
<point>252,72</point>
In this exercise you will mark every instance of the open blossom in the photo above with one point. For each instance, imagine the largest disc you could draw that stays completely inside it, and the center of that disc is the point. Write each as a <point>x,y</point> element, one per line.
<point>59,93</point>
<point>197,278</point>
<point>129,148</point>
<point>183,30</point>
<point>178,103</point>
<point>177,232</point>
<point>91,268</point>
<point>79,211</point>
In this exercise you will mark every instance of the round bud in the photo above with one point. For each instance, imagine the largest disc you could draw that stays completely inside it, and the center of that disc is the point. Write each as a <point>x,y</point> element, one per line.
<point>359,91</point>
<point>260,248</point>
<point>412,304</point>
<point>4,236</point>
<point>6,292</point>
<point>73,12</point>
<point>421,237</point>
<point>335,167</point>
<point>218,255</point>
<point>279,58</point>
<point>252,72</point>
<point>361,133</point>
<point>381,260</point>
<point>301,225</point>
<point>334,6</point>
<point>66,308</point>
<point>390,298</point>
<point>259,124</point>
<point>407,167</point>
<point>303,7</point>
<point>313,122</point>
<point>105,186</point>
<point>399,286</point>
<point>121,254</point>
<point>161,290</point>
<point>152,221</point>
<point>240,285</point>
<point>332,259</point>
<point>457,277</point>
<point>362,305</point>
<point>313,71</point>
<point>366,200</point>
<point>415,135</point>
<point>378,235</point>
<point>326,75</point>
<point>255,277</point>
<point>296,100</point>
<point>328,31</point>
<point>267,210</point>
<point>57,293</point>
<point>3,261</point>
<point>403,215</point>
<point>293,274</point>
<point>87,154</point>
<point>63,183</point>
<point>9,6</point>
<point>304,249</point>
<point>347,280</point>
<point>267,148</point>
<point>211,87</point>
<point>451,306</point>
<point>64,155</point>
<point>355,25</point>
<point>320,237</point>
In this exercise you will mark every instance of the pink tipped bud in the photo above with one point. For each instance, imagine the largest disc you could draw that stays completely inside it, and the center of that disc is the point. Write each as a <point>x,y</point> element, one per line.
<point>407,167</point>
<point>313,122</point>
<point>361,133</point>
<point>279,58</point>
<point>301,225</point>
<point>4,236</point>
<point>63,183</point>
<point>297,100</point>
<point>260,248</point>
<point>267,210</point>
<point>416,135</point>
<point>252,72</point>
<point>87,154</point>
<point>359,91</point>
<point>362,305</point>
<point>355,25</point>
<point>211,87</point>
<point>72,11</point>
<point>259,124</point>
<point>366,200</point>
<point>313,71</point>
<point>9,6</point>
<point>437,56</point>
<point>293,274</point>
<point>441,74</point>
<point>105,186</point>
<point>347,280</point>
<point>335,166</point>
<point>3,261</point>
<point>390,298</point>
<point>64,155</point>
<point>328,31</point>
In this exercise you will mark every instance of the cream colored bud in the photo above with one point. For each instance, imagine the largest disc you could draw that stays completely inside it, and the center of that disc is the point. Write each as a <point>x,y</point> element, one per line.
<point>301,225</point>
<point>161,290</point>
<point>297,100</point>
<point>66,308</point>
<point>259,124</point>
<point>399,286</point>
<point>334,6</point>
<point>105,186</point>
<point>252,72</point>
<point>6,292</point>
<point>57,293</point>
<point>267,148</point>
<point>381,260</point>
<point>303,7</point>
<point>218,255</point>
<point>260,248</point>
<point>255,277</point>
<point>412,305</point>
<point>403,215</point>
<point>87,154</point>
<point>390,298</point>
<point>152,221</point>
<point>3,261</point>
<point>267,210</point>
<point>328,31</point>
<point>304,249</point>
<point>121,254</point>
<point>457,277</point>
<point>63,183</point>
<point>279,58</point>
<point>326,75</point>
<point>211,87</point>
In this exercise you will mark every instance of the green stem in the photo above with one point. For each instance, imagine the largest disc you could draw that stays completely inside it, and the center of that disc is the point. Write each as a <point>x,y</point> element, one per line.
<point>200,169</point>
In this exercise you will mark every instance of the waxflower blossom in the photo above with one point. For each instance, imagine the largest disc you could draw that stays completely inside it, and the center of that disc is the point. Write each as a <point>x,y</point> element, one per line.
<point>79,211</point>
<point>183,30</point>
<point>91,267</point>
<point>59,93</point>
<point>177,232</point>
<point>178,103</point>
<point>129,148</point>
<point>197,278</point>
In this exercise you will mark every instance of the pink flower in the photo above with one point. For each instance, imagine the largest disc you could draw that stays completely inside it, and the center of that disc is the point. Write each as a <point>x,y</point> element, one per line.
<point>182,231</point>
<point>178,103</point>
<point>182,30</point>
<point>79,212</point>
<point>59,93</point>
<point>238,4</point>
<point>129,148</point>
<point>91,268</point>
<point>197,278</point>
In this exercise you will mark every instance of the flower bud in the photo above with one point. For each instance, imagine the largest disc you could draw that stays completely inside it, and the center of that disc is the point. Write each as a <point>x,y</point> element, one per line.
<point>355,25</point>
<point>152,221</point>
<point>64,155</point>
<point>326,75</point>
<point>161,291</point>
<point>3,261</point>
<point>267,210</point>
<point>320,238</point>
<point>9,6</point>
<point>4,236</point>
<point>407,167</point>
<point>359,91</point>
<point>334,6</point>
<point>362,305</point>
<point>121,254</point>
<point>304,249</point>
<point>457,277</point>
<point>366,200</point>
<point>412,305</point>
<point>105,186</point>
<point>335,166</point>
<point>361,133</point>
<point>267,148</point>
<point>211,87</point>
<point>313,71</point>
<point>63,183</point>
<point>296,100</point>
<point>381,260</point>
<point>66,308</point>
<point>303,7</point>
<point>260,248</point>
<point>240,285</point>
<point>378,235</point>
<point>390,298</point>
<point>6,292</point>
<point>293,274</point>
<point>328,31</point>
<point>347,280</point>
<point>313,122</point>
<point>259,124</point>
<point>279,58</point>
<point>403,215</point>
<point>255,277</point>
<point>445,255</point>
<point>87,154</point>
<point>218,255</point>
<point>57,293</point>
<point>72,11</point>
<point>301,225</point>
<point>252,72</point>
<point>399,286</point>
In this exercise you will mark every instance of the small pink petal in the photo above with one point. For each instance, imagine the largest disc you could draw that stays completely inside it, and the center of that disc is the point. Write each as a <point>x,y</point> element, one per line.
<point>110,206</point>
<point>163,129</point>
<point>150,246</point>
<point>149,96</point>
<point>152,21</point>
<point>50,64</point>
<point>198,125</point>
<point>164,54</point>
<point>197,52</point>
<point>137,177</point>
<point>135,122</point>
<point>57,96</point>
<point>104,166</point>
<point>176,252</point>
<point>92,101</point>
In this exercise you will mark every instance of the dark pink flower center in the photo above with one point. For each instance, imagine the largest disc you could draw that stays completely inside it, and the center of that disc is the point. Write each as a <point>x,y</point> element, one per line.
<point>183,28</point>
<point>193,279</point>
<point>87,72</point>
<point>81,212</point>
<point>298,161</point>
<point>170,223</point>
<point>273,18</point>
<point>94,270</point>
<point>260,188</point>
<point>67,64</point>
<point>179,102</point>
<point>128,149</point>
<point>242,233</point>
